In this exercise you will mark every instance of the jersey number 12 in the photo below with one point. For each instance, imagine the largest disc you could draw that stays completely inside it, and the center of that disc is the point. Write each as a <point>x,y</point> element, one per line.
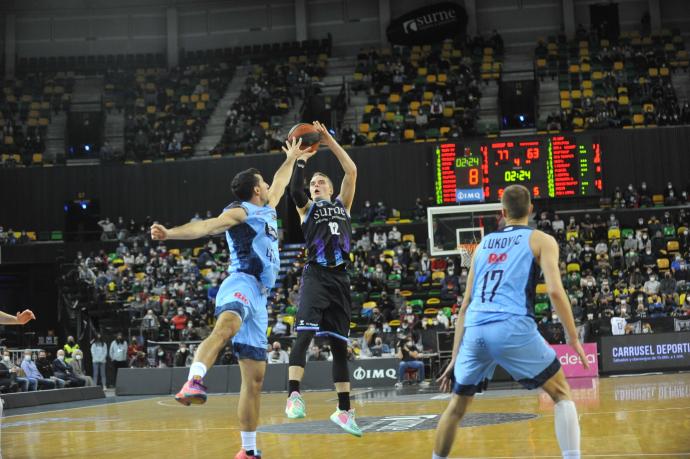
<point>335,230</point>
<point>493,276</point>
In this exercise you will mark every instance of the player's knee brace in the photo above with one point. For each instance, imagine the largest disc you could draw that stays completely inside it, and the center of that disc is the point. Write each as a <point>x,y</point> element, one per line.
<point>298,355</point>
<point>339,351</point>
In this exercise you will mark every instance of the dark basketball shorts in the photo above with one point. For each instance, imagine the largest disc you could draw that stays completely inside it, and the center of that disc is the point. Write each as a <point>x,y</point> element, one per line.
<point>324,301</point>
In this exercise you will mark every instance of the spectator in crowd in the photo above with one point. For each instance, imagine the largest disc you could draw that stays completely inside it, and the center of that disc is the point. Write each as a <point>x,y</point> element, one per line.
<point>25,384</point>
<point>45,367</point>
<point>118,353</point>
<point>69,349</point>
<point>133,348</point>
<point>179,321</point>
<point>99,356</point>
<point>64,371</point>
<point>182,356</point>
<point>316,355</point>
<point>8,381</point>
<point>139,360</point>
<point>108,228</point>
<point>228,357</point>
<point>32,373</point>
<point>77,366</point>
<point>277,355</point>
<point>409,359</point>
<point>150,325</point>
<point>450,286</point>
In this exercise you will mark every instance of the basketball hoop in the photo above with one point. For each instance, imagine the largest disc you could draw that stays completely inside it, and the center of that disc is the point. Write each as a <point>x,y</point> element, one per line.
<point>466,251</point>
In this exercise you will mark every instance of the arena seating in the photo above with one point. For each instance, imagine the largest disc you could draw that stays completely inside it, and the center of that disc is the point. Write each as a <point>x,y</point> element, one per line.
<point>26,109</point>
<point>440,82</point>
<point>166,110</point>
<point>269,92</point>
<point>623,83</point>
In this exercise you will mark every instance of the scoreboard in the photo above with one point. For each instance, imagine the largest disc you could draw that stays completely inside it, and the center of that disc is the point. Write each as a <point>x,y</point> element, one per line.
<point>555,166</point>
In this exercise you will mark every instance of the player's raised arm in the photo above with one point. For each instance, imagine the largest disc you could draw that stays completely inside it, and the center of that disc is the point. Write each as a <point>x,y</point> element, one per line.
<point>347,188</point>
<point>299,197</point>
<point>20,319</point>
<point>202,228</point>
<point>547,249</point>
<point>282,175</point>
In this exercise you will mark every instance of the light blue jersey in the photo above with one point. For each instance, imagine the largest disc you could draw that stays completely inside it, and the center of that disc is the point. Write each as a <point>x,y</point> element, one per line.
<point>254,244</point>
<point>505,277</point>
<point>499,323</point>
<point>254,267</point>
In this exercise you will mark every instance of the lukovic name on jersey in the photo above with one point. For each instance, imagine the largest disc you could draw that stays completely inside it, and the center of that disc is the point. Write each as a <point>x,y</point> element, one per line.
<point>502,242</point>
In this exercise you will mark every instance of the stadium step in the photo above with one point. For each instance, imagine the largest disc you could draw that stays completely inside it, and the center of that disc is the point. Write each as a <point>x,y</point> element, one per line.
<point>55,137</point>
<point>215,126</point>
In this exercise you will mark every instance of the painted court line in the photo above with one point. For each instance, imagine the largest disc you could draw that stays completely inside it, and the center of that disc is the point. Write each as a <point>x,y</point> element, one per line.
<point>584,455</point>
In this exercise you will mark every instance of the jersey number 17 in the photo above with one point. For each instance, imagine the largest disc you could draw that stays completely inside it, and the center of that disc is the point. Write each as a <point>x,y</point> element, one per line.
<point>491,276</point>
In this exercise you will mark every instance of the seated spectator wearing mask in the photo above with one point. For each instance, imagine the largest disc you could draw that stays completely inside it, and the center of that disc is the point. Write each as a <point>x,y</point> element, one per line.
<point>140,360</point>
<point>7,380</point>
<point>376,319</point>
<point>77,365</point>
<point>150,325</point>
<point>46,369</point>
<point>69,349</point>
<point>450,286</point>
<point>315,355</point>
<point>181,355</point>
<point>228,357</point>
<point>24,384</point>
<point>651,287</point>
<point>277,355</point>
<point>442,320</point>
<point>32,373</point>
<point>64,371</point>
<point>379,348</point>
<point>409,358</point>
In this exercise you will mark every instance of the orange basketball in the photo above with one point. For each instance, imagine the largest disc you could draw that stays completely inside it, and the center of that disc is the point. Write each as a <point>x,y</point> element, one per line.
<point>310,136</point>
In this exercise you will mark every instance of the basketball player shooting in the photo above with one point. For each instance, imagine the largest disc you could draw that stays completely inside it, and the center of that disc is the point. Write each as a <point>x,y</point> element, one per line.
<point>324,304</point>
<point>250,227</point>
<point>496,324</point>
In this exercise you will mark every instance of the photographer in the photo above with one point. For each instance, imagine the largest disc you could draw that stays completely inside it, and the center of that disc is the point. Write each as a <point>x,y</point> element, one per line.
<point>410,359</point>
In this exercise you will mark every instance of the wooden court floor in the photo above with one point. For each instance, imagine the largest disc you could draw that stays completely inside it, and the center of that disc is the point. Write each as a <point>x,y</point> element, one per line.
<point>626,417</point>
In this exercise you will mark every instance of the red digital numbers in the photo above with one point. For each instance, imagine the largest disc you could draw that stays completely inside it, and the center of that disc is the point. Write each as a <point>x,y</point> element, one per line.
<point>503,155</point>
<point>473,176</point>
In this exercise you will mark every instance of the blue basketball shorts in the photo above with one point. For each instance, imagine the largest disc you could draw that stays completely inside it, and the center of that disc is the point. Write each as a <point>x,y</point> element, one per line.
<point>242,294</point>
<point>514,344</point>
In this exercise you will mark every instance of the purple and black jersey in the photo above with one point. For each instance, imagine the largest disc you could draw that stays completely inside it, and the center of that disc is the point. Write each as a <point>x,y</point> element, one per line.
<point>327,231</point>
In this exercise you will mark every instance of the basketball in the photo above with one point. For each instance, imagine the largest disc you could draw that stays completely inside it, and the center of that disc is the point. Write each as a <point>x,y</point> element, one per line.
<point>310,136</point>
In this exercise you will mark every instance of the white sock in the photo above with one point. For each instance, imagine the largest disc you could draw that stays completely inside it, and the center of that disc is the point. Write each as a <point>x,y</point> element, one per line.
<point>197,369</point>
<point>248,441</point>
<point>567,429</point>
<point>436,456</point>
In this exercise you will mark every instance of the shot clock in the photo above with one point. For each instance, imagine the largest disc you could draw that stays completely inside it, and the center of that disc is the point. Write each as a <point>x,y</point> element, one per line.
<point>555,166</point>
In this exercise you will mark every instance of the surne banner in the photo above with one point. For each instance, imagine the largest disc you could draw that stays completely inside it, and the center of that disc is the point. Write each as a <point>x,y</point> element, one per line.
<point>429,24</point>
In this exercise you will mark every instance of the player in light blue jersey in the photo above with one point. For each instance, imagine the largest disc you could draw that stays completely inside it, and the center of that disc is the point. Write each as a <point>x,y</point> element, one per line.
<point>496,324</point>
<point>250,226</point>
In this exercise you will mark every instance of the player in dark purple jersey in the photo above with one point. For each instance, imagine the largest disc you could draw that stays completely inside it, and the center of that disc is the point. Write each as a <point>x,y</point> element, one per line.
<point>324,304</point>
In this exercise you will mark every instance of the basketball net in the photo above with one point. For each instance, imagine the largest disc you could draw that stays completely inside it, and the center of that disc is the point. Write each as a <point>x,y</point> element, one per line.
<point>466,251</point>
